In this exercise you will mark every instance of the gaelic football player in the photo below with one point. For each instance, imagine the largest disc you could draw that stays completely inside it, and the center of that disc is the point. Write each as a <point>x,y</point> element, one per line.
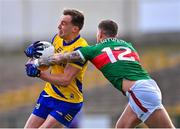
<point>62,97</point>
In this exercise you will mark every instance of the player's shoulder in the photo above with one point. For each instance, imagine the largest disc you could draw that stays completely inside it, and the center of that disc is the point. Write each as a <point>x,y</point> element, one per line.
<point>128,44</point>
<point>89,48</point>
<point>81,42</point>
<point>125,43</point>
<point>56,38</point>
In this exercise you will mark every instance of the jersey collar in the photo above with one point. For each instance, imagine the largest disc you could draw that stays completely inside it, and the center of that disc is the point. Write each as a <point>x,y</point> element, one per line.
<point>109,39</point>
<point>71,42</point>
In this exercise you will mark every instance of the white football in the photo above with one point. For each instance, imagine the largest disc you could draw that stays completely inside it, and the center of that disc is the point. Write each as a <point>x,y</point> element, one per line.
<point>48,49</point>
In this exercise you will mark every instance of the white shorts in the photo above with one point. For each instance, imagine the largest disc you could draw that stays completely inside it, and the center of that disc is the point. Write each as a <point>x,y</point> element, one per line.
<point>144,98</point>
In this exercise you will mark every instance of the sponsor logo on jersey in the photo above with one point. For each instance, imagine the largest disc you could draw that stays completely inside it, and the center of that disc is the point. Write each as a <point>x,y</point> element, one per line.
<point>58,50</point>
<point>37,106</point>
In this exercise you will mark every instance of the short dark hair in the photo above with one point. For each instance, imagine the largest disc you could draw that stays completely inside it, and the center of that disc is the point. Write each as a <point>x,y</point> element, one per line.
<point>109,27</point>
<point>77,17</point>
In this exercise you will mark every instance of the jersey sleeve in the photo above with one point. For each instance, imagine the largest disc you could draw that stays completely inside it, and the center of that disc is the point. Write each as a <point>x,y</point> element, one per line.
<point>79,65</point>
<point>85,53</point>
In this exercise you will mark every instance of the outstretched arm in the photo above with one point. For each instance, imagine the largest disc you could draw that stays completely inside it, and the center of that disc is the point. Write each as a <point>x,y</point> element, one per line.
<point>61,58</point>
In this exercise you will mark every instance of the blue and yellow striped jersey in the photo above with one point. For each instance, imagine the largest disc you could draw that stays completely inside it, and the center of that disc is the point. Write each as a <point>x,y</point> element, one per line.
<point>73,92</point>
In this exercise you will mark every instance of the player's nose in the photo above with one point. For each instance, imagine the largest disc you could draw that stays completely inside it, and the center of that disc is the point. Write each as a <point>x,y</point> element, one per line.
<point>59,27</point>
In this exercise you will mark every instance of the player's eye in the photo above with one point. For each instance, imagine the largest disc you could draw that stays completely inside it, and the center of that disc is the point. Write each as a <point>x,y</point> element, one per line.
<point>64,23</point>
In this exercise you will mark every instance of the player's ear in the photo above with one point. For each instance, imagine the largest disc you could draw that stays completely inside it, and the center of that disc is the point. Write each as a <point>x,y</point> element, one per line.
<point>101,34</point>
<point>75,29</point>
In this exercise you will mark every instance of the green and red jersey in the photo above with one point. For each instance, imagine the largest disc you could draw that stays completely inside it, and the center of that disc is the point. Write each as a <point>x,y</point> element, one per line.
<point>116,59</point>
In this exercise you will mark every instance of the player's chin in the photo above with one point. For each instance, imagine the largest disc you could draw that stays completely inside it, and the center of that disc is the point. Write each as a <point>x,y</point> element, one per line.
<point>61,34</point>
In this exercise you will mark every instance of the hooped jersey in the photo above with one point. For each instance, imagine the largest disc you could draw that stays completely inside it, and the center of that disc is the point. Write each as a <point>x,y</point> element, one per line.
<point>73,92</point>
<point>116,59</point>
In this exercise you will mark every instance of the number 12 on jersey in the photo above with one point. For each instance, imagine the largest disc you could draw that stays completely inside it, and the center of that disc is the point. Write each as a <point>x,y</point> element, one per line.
<point>121,53</point>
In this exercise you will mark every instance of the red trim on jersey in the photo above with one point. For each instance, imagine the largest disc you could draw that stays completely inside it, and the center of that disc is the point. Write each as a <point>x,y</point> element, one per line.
<point>133,54</point>
<point>103,59</point>
<point>136,100</point>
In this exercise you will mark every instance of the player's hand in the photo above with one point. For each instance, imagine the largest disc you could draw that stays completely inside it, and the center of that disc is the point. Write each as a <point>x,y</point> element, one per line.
<point>33,50</point>
<point>32,70</point>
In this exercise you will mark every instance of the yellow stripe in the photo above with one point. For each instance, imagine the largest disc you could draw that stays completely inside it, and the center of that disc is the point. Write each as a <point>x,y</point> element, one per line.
<point>67,118</point>
<point>75,65</point>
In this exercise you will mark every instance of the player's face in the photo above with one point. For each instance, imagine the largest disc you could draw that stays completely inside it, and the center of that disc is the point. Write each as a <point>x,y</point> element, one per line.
<point>65,26</point>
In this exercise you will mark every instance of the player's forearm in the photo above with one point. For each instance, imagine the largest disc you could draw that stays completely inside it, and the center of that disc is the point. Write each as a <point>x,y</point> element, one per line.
<point>65,58</point>
<point>59,80</point>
